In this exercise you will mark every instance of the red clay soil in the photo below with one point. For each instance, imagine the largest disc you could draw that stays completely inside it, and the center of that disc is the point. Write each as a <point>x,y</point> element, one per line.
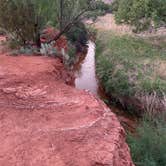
<point>44,122</point>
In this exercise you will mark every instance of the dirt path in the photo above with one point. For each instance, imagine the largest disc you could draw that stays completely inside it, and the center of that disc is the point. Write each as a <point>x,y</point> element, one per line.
<point>107,23</point>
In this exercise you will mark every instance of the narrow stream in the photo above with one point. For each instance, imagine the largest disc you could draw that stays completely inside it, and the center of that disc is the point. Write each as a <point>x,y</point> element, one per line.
<point>86,74</point>
<point>85,78</point>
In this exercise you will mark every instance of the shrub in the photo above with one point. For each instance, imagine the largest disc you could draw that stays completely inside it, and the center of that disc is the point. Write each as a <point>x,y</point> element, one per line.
<point>78,34</point>
<point>2,31</point>
<point>24,19</point>
<point>18,18</point>
<point>140,13</point>
<point>148,146</point>
<point>72,55</point>
<point>128,66</point>
<point>102,6</point>
<point>99,9</point>
<point>13,44</point>
<point>114,5</point>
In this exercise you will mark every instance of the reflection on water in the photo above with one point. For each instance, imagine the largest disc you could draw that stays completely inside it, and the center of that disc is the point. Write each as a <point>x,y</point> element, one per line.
<point>86,79</point>
<point>86,75</point>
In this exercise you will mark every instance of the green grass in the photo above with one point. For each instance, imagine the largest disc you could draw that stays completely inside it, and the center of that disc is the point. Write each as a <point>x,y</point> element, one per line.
<point>148,147</point>
<point>159,41</point>
<point>126,65</point>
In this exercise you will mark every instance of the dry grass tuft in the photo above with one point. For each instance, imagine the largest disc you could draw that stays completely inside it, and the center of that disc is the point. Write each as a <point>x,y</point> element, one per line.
<point>152,103</point>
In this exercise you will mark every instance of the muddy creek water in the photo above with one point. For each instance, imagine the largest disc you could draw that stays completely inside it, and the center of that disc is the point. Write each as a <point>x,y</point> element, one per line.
<point>86,73</point>
<point>85,78</point>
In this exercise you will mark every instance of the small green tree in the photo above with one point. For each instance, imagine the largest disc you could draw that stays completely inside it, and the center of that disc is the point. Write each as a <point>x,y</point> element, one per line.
<point>24,19</point>
<point>71,12</point>
<point>141,13</point>
<point>12,18</point>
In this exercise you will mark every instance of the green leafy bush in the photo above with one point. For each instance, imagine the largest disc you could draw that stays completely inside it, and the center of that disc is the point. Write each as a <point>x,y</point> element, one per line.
<point>24,19</point>
<point>99,9</point>
<point>127,67</point>
<point>78,34</point>
<point>102,6</point>
<point>13,44</point>
<point>2,31</point>
<point>18,18</point>
<point>72,55</point>
<point>148,147</point>
<point>140,13</point>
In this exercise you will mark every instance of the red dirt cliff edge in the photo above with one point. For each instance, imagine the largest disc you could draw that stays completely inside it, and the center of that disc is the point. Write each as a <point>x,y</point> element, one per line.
<point>44,122</point>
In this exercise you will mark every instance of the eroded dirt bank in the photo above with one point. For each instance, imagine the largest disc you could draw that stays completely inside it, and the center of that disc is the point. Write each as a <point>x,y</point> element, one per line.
<point>45,122</point>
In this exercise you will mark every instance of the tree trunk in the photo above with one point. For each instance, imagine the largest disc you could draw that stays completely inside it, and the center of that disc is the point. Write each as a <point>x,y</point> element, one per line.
<point>37,34</point>
<point>61,15</point>
<point>38,41</point>
<point>67,27</point>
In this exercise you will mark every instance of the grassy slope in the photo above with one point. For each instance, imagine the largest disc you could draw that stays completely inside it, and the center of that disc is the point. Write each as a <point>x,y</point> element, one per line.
<point>148,148</point>
<point>128,66</point>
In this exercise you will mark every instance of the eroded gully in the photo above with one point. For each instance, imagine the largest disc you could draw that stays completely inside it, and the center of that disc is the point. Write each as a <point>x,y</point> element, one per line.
<point>85,78</point>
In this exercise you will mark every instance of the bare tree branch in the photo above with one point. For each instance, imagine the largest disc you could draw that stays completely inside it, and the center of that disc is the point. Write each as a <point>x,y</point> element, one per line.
<point>68,26</point>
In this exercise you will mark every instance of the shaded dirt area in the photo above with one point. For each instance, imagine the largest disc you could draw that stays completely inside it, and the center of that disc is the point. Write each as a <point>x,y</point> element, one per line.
<point>45,122</point>
<point>107,23</point>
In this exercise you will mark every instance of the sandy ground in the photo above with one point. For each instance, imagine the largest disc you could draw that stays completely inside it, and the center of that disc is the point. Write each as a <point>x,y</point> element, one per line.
<point>107,23</point>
